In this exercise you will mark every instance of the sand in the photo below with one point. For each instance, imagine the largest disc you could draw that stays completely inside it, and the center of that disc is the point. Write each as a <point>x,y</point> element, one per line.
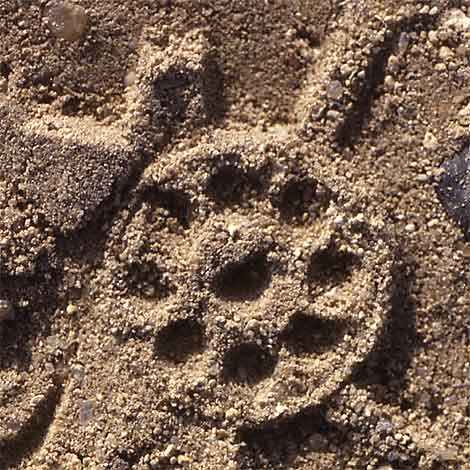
<point>225,235</point>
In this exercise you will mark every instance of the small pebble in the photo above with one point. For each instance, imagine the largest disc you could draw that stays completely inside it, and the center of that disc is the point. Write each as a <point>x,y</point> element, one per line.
<point>384,426</point>
<point>433,37</point>
<point>78,372</point>
<point>334,90</point>
<point>71,309</point>
<point>169,451</point>
<point>403,42</point>
<point>86,412</point>
<point>449,453</point>
<point>130,78</point>
<point>252,324</point>
<point>339,221</point>
<point>424,10</point>
<point>430,141</point>
<point>67,20</point>
<point>232,230</point>
<point>3,85</point>
<point>422,178</point>
<point>389,82</point>
<point>183,460</point>
<point>445,53</point>
<point>333,115</point>
<point>231,413</point>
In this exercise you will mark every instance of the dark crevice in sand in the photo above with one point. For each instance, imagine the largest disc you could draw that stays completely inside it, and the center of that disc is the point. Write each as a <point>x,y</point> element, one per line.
<point>5,70</point>
<point>230,184</point>
<point>30,319</point>
<point>331,267</point>
<point>179,340</point>
<point>33,433</point>
<point>174,91</point>
<point>301,196</point>
<point>280,441</point>
<point>127,459</point>
<point>185,99</point>
<point>177,203</point>
<point>308,334</point>
<point>244,280</point>
<point>71,106</point>
<point>358,117</point>
<point>248,363</point>
<point>388,363</point>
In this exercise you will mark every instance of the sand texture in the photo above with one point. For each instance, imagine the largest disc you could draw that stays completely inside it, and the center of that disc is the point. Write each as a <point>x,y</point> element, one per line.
<point>234,234</point>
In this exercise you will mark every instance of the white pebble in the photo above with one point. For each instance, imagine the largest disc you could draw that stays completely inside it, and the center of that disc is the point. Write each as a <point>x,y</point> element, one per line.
<point>339,221</point>
<point>71,309</point>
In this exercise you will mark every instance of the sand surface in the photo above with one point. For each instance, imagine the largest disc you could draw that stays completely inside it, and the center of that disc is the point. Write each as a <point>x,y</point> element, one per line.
<point>233,234</point>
